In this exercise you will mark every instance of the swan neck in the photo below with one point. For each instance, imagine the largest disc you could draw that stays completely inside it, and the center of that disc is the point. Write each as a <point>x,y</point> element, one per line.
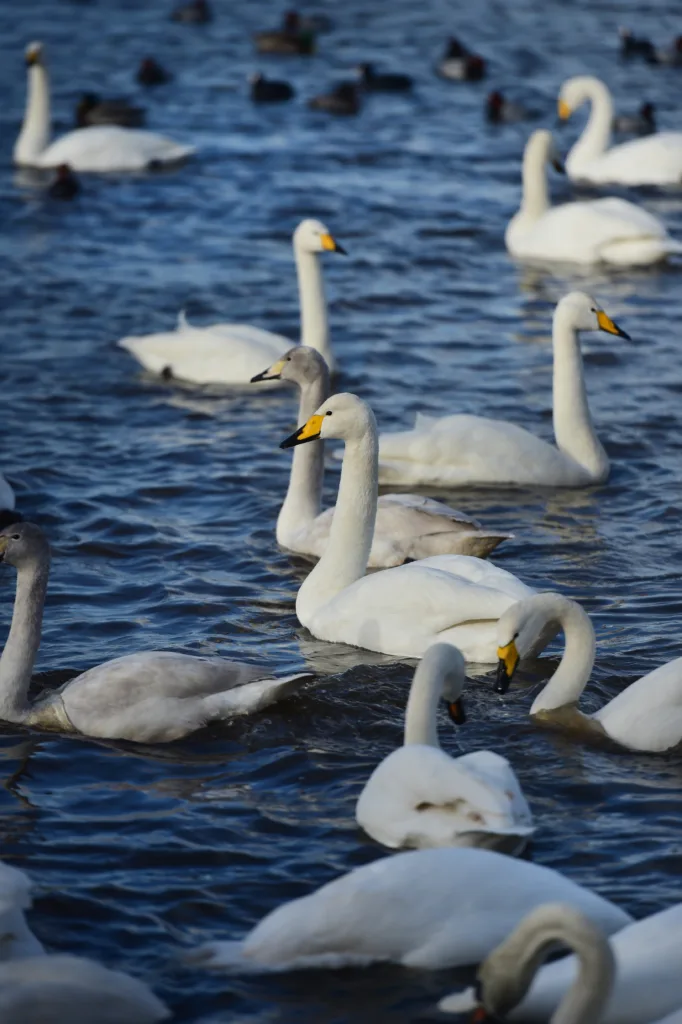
<point>314,322</point>
<point>535,201</point>
<point>421,716</point>
<point>596,136</point>
<point>573,428</point>
<point>304,495</point>
<point>573,673</point>
<point>21,649</point>
<point>34,137</point>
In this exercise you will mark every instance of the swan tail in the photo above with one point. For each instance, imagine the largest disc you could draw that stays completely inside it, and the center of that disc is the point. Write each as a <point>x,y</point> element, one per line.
<point>183,323</point>
<point>253,696</point>
<point>639,251</point>
<point>459,1002</point>
<point>477,543</point>
<point>221,956</point>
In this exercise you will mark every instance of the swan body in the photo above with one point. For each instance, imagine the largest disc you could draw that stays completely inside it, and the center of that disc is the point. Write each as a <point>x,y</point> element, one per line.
<point>459,449</point>
<point>399,611</point>
<point>234,353</point>
<point>654,160</point>
<point>426,909</point>
<point>100,148</point>
<point>152,697</point>
<point>16,938</point>
<point>408,526</point>
<point>611,231</point>
<point>647,984</point>
<point>419,796</point>
<point>645,716</point>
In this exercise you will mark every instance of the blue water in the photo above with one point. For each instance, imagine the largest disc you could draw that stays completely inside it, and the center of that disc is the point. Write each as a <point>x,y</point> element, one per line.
<point>160,502</point>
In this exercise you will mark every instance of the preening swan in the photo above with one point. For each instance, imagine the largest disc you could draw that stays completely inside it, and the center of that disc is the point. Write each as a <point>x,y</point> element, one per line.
<point>646,956</point>
<point>401,611</point>
<point>16,938</point>
<point>419,796</point>
<point>235,353</point>
<point>611,231</point>
<point>100,148</point>
<point>407,526</point>
<point>646,716</point>
<point>457,450</point>
<point>152,697</point>
<point>654,160</point>
<point>425,909</point>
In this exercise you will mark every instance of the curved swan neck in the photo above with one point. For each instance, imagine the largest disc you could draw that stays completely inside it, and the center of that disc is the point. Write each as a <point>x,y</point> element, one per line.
<point>19,655</point>
<point>314,322</point>
<point>304,495</point>
<point>35,130</point>
<point>570,679</point>
<point>535,200</point>
<point>421,715</point>
<point>573,429</point>
<point>596,136</point>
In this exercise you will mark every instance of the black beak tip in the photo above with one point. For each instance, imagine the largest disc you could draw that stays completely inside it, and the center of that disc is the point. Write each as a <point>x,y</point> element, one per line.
<point>502,679</point>
<point>624,334</point>
<point>340,249</point>
<point>558,166</point>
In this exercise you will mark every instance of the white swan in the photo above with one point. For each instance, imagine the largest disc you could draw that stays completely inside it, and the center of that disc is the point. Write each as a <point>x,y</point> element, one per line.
<point>646,716</point>
<point>235,353</point>
<point>654,160</point>
<point>457,450</point>
<point>407,526</point>
<point>16,938</point>
<point>611,231</point>
<point>152,697</point>
<point>425,909</point>
<point>100,148</point>
<point>400,611</point>
<point>62,989</point>
<point>419,796</point>
<point>645,954</point>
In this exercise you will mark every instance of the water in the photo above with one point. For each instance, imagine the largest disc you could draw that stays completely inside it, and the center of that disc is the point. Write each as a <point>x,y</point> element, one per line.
<point>160,502</point>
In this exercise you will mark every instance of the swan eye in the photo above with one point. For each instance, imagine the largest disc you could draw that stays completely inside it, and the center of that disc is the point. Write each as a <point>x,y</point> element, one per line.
<point>15,536</point>
<point>593,310</point>
<point>328,413</point>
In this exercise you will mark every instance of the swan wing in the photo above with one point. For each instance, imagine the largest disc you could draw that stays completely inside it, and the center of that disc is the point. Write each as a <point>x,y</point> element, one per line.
<point>647,715</point>
<point>656,159</point>
<point>112,148</point>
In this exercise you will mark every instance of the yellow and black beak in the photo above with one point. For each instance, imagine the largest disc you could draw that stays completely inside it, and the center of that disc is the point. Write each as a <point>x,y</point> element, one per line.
<point>506,666</point>
<point>329,244</point>
<point>456,711</point>
<point>606,324</point>
<point>310,431</point>
<point>4,541</point>
<point>564,110</point>
<point>273,372</point>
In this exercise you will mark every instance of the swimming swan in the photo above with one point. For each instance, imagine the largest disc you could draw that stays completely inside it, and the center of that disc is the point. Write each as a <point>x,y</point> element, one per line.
<point>645,716</point>
<point>400,611</point>
<point>610,231</point>
<point>654,160</point>
<point>151,697</point>
<point>16,938</point>
<point>99,148</point>
<point>633,978</point>
<point>427,909</point>
<point>407,527</point>
<point>458,450</point>
<point>419,796</point>
<point>235,353</point>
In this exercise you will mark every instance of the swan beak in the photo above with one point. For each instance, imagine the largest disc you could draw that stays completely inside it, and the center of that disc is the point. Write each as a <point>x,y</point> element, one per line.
<point>457,712</point>
<point>3,546</point>
<point>310,431</point>
<point>506,666</point>
<point>564,110</point>
<point>329,244</point>
<point>558,165</point>
<point>273,372</point>
<point>606,324</point>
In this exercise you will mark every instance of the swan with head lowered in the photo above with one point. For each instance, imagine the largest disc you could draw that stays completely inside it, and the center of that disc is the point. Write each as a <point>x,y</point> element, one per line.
<point>151,697</point>
<point>99,148</point>
<point>611,231</point>
<point>419,796</point>
<point>654,160</point>
<point>458,450</point>
<point>633,977</point>
<point>407,526</point>
<point>403,610</point>
<point>234,353</point>
<point>645,716</point>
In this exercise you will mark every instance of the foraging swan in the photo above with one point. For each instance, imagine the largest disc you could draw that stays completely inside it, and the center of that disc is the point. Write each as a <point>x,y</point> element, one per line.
<point>426,909</point>
<point>645,716</point>
<point>151,697</point>
<point>654,160</point>
<point>611,231</point>
<point>645,955</point>
<point>407,526</point>
<point>399,611</point>
<point>235,353</point>
<point>16,938</point>
<point>419,796</point>
<point>99,148</point>
<point>460,449</point>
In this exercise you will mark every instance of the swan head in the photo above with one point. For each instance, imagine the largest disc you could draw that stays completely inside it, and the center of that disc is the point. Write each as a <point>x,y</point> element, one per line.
<point>24,545</point>
<point>583,313</point>
<point>446,662</point>
<point>301,364</point>
<point>518,630</point>
<point>541,144</point>
<point>576,91</point>
<point>314,236</point>
<point>342,416</point>
<point>33,54</point>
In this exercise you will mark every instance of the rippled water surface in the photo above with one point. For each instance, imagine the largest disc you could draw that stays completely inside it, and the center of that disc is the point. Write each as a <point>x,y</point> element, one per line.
<point>160,502</point>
